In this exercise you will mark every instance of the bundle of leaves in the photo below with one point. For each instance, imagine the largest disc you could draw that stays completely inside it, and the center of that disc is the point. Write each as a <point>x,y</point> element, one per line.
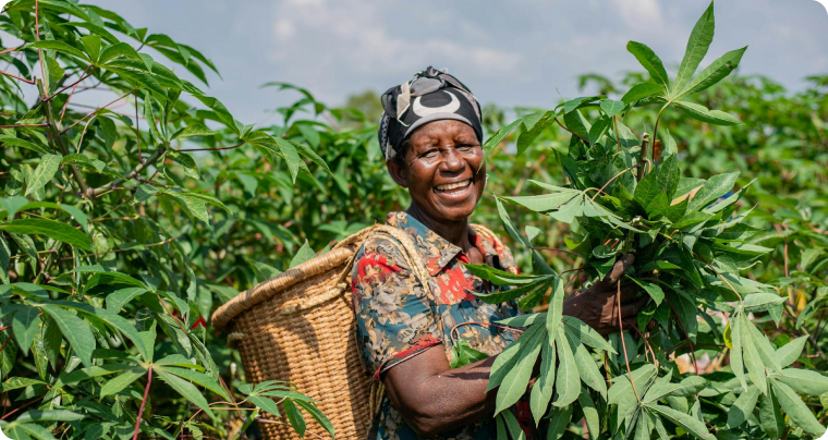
<point>627,195</point>
<point>105,219</point>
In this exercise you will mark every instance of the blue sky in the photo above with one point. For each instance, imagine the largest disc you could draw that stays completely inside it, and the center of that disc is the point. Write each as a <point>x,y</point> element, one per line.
<point>520,52</point>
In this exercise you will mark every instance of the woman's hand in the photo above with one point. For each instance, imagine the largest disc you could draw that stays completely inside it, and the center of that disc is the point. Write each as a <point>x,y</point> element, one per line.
<point>598,305</point>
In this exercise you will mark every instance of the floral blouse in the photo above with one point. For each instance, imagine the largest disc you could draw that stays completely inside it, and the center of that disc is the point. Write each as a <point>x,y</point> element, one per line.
<point>398,319</point>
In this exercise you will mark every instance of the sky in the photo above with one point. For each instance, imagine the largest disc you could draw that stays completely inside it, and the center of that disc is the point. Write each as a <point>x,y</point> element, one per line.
<point>513,53</point>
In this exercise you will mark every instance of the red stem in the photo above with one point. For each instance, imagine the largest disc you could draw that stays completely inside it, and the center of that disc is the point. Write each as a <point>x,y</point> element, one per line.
<point>138,129</point>
<point>177,320</point>
<point>75,84</point>
<point>143,403</point>
<point>12,49</point>
<point>573,133</point>
<point>19,408</point>
<point>94,113</point>
<point>74,87</point>
<point>611,180</point>
<point>7,341</point>
<point>27,81</point>
<point>24,125</point>
<point>623,343</point>
<point>39,51</point>
<point>644,338</point>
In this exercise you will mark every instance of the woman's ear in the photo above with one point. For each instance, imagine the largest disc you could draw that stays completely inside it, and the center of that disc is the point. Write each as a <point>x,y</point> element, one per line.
<point>398,173</point>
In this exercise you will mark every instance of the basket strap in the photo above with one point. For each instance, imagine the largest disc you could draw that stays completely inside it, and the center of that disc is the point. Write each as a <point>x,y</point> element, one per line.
<point>408,251</point>
<point>406,247</point>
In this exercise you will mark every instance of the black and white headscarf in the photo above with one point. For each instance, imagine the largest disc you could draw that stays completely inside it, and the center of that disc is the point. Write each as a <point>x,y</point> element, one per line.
<point>430,96</point>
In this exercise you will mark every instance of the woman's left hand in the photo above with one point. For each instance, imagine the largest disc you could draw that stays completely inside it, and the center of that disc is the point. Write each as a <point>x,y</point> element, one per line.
<point>598,306</point>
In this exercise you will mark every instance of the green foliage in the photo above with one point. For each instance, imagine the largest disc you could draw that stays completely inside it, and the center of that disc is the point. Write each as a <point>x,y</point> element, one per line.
<point>200,226</point>
<point>110,222</point>
<point>693,242</point>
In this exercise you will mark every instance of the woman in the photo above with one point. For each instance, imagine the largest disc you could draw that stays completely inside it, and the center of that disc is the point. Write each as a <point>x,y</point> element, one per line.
<point>431,135</point>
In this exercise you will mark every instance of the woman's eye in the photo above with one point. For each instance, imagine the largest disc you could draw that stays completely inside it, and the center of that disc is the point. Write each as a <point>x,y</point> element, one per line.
<point>430,153</point>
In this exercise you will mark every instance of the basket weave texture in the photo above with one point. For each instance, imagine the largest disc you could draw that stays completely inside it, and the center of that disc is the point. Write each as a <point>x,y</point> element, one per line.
<point>299,327</point>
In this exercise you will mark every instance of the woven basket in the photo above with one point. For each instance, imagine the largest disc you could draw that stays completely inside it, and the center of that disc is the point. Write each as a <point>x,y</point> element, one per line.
<point>299,327</point>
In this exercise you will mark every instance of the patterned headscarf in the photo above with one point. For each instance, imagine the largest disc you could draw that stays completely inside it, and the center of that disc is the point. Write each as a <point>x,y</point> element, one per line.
<point>430,96</point>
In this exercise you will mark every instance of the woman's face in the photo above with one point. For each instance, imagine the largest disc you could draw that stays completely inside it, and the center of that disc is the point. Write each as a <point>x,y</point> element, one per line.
<point>441,170</point>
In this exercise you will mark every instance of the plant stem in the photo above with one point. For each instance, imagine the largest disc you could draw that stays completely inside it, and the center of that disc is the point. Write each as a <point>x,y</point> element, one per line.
<point>573,133</point>
<point>138,130</point>
<point>95,112</point>
<point>143,403</point>
<point>39,51</point>
<point>646,342</point>
<point>56,138</point>
<point>12,49</point>
<point>610,181</point>
<point>27,81</point>
<point>66,104</point>
<point>20,407</point>
<point>642,156</point>
<point>141,167</point>
<point>623,343</point>
<point>658,119</point>
<point>719,275</point>
<point>75,84</point>
<point>24,125</point>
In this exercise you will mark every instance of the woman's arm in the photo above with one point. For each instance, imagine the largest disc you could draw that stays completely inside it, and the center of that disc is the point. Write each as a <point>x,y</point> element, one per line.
<point>434,398</point>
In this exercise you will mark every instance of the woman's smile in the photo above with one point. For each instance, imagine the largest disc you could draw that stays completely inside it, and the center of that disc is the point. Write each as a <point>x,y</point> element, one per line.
<point>456,190</point>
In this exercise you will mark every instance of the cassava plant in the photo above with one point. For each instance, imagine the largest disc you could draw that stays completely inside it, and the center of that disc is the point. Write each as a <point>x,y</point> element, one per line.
<point>108,231</point>
<point>622,194</point>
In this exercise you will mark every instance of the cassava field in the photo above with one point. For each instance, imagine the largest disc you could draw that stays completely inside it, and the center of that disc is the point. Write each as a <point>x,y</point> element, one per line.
<point>122,227</point>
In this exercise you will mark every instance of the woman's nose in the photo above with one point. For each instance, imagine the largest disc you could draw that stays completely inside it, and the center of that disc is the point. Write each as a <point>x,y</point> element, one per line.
<point>452,161</point>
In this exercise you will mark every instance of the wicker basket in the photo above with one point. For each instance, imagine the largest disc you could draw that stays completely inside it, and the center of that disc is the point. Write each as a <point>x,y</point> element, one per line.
<point>299,327</point>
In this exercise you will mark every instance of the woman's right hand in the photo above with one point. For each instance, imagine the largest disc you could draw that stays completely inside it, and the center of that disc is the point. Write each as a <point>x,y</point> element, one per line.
<point>598,305</point>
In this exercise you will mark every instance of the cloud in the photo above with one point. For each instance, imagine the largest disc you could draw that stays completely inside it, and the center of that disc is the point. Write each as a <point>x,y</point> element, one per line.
<point>284,30</point>
<point>638,13</point>
<point>361,37</point>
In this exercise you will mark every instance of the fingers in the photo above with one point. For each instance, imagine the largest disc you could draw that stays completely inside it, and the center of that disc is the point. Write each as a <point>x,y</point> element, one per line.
<point>620,267</point>
<point>617,272</point>
<point>631,310</point>
<point>628,292</point>
<point>582,278</point>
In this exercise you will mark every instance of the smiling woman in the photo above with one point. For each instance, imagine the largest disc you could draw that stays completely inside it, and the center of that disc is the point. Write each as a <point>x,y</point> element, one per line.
<point>431,134</point>
<point>442,171</point>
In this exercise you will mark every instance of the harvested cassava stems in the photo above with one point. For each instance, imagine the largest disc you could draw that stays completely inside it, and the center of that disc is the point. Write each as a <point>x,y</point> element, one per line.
<point>692,234</point>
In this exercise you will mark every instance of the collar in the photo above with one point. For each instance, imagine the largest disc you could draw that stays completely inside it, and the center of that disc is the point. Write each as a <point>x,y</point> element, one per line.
<point>437,252</point>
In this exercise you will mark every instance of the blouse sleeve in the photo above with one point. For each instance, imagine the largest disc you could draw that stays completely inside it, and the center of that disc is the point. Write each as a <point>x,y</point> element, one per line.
<point>394,318</point>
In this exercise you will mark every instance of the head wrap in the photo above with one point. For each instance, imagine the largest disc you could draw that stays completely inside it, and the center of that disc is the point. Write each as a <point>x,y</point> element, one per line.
<point>430,96</point>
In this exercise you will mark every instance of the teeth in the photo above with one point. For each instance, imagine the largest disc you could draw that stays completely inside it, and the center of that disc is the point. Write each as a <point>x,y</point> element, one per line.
<point>451,186</point>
